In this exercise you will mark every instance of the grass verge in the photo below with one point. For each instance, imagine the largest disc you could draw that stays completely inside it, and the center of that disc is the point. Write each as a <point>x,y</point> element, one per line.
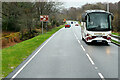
<point>117,34</point>
<point>14,55</point>
<point>115,41</point>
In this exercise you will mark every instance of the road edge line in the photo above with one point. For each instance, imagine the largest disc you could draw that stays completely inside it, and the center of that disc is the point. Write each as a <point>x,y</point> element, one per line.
<point>25,64</point>
<point>101,76</point>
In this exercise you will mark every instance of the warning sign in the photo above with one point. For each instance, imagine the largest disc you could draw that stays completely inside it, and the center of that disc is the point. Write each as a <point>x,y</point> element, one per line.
<point>44,18</point>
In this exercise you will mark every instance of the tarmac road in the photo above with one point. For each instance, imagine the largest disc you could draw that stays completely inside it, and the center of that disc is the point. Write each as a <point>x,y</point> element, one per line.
<point>65,55</point>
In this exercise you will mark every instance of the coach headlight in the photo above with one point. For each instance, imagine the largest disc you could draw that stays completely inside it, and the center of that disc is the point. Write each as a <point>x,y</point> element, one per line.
<point>109,37</point>
<point>88,35</point>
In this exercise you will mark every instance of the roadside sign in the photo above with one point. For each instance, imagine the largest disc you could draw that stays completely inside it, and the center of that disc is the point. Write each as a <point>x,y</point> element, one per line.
<point>44,18</point>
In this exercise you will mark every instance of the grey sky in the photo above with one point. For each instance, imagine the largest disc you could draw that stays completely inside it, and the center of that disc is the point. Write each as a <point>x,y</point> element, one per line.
<point>67,3</point>
<point>79,3</point>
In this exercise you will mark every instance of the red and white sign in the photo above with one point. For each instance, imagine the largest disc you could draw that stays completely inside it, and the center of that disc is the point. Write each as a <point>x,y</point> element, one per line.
<point>44,18</point>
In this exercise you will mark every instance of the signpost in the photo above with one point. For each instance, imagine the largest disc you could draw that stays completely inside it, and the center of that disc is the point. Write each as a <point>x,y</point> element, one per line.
<point>44,18</point>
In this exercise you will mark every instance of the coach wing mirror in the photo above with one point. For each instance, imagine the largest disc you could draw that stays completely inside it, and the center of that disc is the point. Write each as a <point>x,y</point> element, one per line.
<point>84,18</point>
<point>112,17</point>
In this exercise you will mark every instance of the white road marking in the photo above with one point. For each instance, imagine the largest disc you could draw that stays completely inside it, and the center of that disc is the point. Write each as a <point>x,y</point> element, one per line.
<point>79,41</point>
<point>76,36</point>
<point>90,59</point>
<point>96,67</point>
<point>83,48</point>
<point>101,76</point>
<point>33,56</point>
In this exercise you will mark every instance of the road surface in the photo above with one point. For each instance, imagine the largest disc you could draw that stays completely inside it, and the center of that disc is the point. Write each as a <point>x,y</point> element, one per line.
<point>65,55</point>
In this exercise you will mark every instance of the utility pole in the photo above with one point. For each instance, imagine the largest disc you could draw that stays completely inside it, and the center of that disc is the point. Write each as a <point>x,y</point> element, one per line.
<point>107,7</point>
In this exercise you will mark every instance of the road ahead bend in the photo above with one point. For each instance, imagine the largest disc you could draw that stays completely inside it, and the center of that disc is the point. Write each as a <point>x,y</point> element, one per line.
<point>67,56</point>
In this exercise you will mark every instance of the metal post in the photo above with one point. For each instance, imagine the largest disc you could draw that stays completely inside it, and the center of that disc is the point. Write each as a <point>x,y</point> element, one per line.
<point>46,26</point>
<point>108,7</point>
<point>42,27</point>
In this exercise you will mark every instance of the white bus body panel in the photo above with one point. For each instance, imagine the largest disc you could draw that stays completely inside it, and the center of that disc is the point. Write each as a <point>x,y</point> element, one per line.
<point>84,32</point>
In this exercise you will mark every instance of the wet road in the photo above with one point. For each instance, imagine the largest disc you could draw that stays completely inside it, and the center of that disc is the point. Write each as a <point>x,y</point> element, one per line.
<point>65,55</point>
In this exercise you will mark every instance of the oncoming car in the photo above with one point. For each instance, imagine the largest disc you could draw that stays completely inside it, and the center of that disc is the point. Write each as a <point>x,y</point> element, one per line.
<point>76,24</point>
<point>67,26</point>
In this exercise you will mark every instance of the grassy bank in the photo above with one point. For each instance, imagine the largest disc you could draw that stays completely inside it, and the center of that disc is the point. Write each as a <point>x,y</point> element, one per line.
<point>14,55</point>
<point>117,34</point>
<point>115,41</point>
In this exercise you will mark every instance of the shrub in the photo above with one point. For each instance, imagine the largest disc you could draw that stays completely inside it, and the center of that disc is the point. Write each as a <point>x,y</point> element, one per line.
<point>4,42</point>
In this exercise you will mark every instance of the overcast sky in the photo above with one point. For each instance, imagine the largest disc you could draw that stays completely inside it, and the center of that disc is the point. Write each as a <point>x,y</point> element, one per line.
<point>79,3</point>
<point>67,3</point>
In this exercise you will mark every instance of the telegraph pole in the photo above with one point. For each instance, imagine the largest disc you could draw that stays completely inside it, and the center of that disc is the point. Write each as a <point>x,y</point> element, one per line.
<point>107,7</point>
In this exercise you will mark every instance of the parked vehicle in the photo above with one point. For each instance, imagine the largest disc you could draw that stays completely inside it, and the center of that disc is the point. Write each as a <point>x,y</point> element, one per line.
<point>96,26</point>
